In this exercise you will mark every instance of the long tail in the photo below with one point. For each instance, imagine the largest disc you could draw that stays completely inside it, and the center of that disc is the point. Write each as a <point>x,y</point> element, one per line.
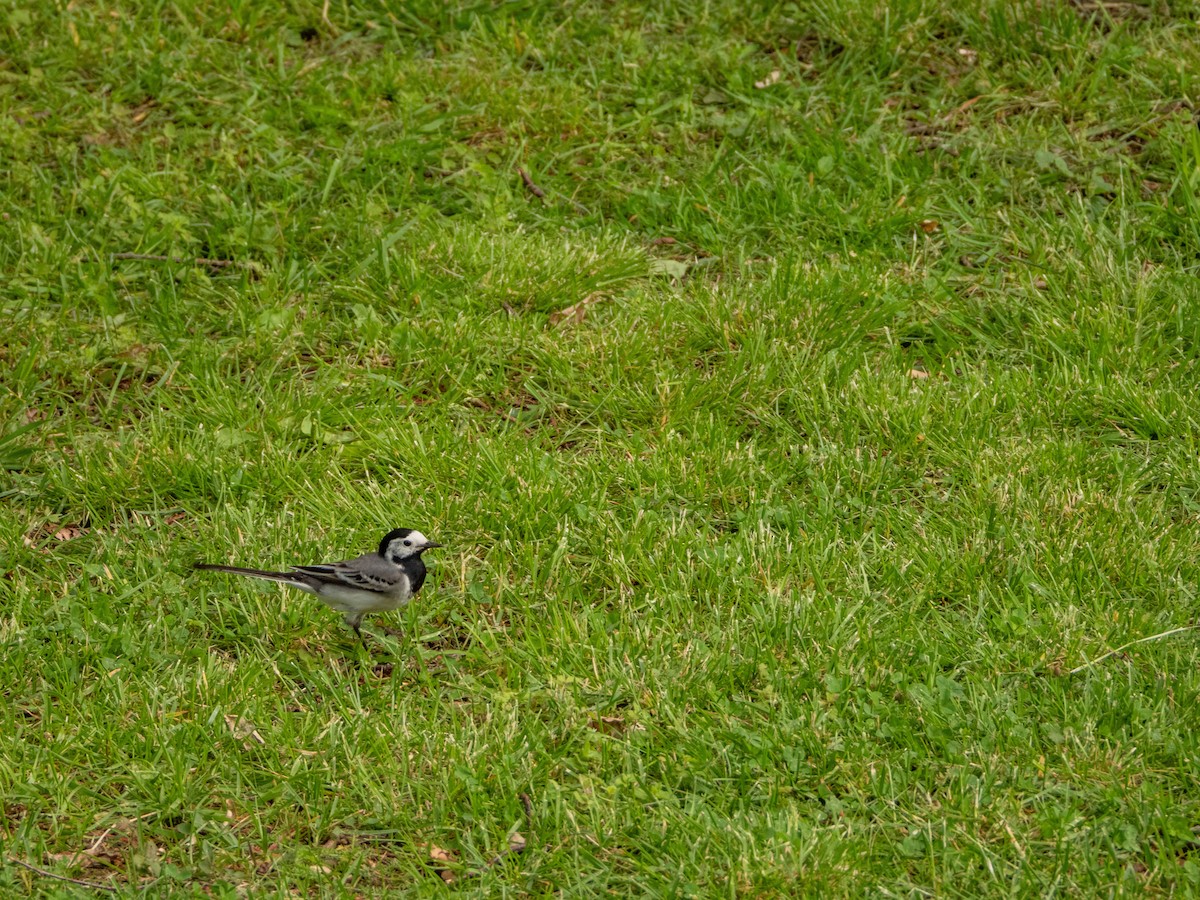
<point>284,577</point>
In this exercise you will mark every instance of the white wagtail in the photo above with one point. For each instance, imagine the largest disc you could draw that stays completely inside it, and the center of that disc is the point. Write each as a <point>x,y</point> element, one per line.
<point>374,582</point>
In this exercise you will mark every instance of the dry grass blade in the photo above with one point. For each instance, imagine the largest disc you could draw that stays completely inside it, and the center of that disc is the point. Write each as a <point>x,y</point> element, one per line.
<point>1124,647</point>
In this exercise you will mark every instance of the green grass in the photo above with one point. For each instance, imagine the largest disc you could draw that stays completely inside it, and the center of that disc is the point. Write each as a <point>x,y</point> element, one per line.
<point>765,574</point>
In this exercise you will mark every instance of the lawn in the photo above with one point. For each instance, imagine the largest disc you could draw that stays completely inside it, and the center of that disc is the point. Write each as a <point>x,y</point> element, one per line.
<point>805,395</point>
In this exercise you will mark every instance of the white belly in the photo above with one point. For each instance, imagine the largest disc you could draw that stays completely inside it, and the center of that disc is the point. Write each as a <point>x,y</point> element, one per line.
<point>348,600</point>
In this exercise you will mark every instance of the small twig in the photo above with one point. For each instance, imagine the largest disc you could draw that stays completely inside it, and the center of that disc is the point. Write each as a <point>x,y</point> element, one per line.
<point>528,804</point>
<point>180,260</point>
<point>540,193</point>
<point>533,188</point>
<point>1123,647</point>
<point>88,884</point>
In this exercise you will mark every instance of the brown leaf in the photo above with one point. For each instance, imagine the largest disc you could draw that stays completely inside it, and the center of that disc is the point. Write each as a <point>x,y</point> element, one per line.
<point>917,373</point>
<point>929,226</point>
<point>771,79</point>
<point>36,539</point>
<point>243,728</point>
<point>612,725</point>
<point>142,110</point>
<point>440,860</point>
<point>576,311</point>
<point>516,842</point>
<point>438,855</point>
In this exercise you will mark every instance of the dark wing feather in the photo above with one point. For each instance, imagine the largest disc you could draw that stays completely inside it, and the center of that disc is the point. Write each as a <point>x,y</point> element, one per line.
<point>351,573</point>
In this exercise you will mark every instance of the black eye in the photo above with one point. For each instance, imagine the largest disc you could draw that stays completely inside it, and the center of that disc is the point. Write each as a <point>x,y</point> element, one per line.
<point>408,543</point>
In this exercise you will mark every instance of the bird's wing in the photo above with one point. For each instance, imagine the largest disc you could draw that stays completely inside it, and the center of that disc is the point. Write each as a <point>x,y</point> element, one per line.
<point>368,573</point>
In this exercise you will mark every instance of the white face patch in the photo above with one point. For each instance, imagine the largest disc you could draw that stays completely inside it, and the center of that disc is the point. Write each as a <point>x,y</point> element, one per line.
<point>402,548</point>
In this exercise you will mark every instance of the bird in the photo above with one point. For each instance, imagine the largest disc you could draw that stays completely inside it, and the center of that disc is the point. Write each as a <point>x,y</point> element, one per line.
<point>374,582</point>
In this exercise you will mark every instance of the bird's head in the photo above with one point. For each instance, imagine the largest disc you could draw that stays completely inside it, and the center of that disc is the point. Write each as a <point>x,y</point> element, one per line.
<point>404,543</point>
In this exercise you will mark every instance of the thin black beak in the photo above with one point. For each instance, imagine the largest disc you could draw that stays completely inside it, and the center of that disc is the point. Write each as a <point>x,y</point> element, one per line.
<point>429,545</point>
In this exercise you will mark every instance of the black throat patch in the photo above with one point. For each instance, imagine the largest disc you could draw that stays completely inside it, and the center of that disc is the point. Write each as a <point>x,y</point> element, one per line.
<point>414,568</point>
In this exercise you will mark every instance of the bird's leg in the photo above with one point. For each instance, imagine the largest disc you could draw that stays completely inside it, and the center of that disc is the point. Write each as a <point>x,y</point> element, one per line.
<point>355,622</point>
